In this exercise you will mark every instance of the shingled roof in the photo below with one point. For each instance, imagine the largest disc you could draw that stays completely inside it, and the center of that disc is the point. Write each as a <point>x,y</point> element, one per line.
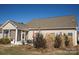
<point>53,23</point>
<point>17,24</point>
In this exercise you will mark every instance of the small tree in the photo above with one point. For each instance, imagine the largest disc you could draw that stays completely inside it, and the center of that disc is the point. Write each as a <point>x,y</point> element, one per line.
<point>38,41</point>
<point>66,40</point>
<point>57,41</point>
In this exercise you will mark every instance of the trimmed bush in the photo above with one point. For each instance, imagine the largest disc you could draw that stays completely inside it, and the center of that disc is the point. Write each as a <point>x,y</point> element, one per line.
<point>5,41</point>
<point>38,41</point>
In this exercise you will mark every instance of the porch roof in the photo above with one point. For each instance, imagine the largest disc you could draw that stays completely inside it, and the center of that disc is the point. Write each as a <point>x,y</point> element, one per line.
<point>19,25</point>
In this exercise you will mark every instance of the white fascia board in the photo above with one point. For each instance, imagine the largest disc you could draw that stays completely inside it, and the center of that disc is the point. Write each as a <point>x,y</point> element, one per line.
<point>6,23</point>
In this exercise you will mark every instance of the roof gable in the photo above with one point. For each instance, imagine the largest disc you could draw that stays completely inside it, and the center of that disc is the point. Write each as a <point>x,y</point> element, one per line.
<point>15,24</point>
<point>9,26</point>
<point>9,21</point>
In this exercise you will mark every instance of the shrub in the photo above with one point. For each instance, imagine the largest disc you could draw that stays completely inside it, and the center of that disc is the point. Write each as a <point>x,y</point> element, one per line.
<point>38,41</point>
<point>5,41</point>
<point>66,40</point>
<point>50,40</point>
<point>70,41</point>
<point>62,41</point>
<point>57,42</point>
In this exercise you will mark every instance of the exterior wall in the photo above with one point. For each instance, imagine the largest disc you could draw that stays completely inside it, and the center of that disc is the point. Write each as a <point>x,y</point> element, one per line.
<point>9,26</point>
<point>30,35</point>
<point>44,32</point>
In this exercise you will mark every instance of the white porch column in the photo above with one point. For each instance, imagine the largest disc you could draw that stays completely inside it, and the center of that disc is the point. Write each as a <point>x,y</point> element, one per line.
<point>2,33</point>
<point>9,34</point>
<point>21,35</point>
<point>16,35</point>
<point>24,36</point>
<point>75,38</point>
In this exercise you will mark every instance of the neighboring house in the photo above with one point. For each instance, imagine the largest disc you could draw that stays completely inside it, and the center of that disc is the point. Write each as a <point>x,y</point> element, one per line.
<point>18,32</point>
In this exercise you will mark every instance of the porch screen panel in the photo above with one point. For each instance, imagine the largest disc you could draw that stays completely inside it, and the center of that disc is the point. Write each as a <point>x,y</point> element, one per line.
<point>12,35</point>
<point>19,35</point>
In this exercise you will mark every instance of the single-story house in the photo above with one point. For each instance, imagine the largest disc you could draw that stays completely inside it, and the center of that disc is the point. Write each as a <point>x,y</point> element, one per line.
<point>18,32</point>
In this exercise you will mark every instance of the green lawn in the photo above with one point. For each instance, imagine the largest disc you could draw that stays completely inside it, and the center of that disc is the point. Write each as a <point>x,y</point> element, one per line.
<point>28,50</point>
